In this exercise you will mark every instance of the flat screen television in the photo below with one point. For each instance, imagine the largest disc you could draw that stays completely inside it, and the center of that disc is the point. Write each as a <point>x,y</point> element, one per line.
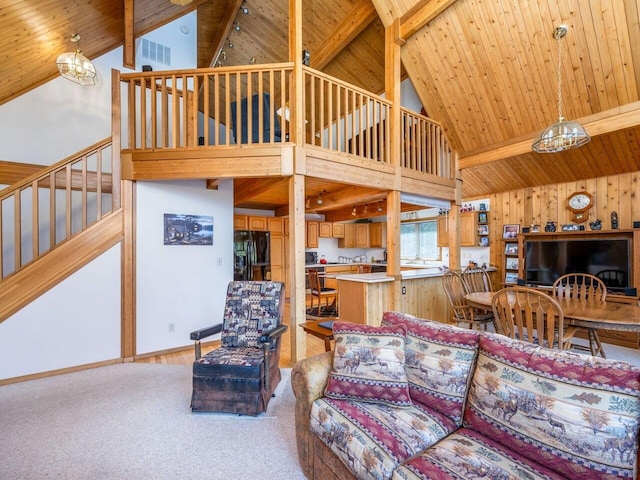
<point>609,259</point>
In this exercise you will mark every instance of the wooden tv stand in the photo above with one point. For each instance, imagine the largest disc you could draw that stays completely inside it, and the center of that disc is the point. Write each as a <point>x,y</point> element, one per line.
<point>624,339</point>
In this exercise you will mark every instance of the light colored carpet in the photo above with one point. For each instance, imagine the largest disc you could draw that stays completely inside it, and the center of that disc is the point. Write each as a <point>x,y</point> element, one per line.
<point>132,421</point>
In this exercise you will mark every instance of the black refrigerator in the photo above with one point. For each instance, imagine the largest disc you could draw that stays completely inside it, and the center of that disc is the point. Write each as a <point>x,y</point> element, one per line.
<point>251,255</point>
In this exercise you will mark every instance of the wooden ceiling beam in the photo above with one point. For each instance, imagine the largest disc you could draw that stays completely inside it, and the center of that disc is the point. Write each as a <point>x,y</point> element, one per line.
<point>13,172</point>
<point>254,187</point>
<point>129,49</point>
<point>347,197</point>
<point>230,14</point>
<point>609,121</point>
<point>358,19</point>
<point>421,14</point>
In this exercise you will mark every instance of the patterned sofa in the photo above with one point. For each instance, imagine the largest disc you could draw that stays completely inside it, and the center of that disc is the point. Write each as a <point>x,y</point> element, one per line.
<point>415,399</point>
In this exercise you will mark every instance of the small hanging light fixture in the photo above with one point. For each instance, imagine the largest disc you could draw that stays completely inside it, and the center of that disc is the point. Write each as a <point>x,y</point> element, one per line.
<point>380,206</point>
<point>76,67</point>
<point>563,134</point>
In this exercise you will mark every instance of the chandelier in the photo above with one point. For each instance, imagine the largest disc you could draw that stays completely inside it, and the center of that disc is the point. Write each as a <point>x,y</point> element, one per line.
<point>76,67</point>
<point>563,134</point>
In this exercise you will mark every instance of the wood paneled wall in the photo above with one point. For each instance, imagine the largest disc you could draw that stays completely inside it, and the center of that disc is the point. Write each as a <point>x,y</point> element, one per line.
<point>538,205</point>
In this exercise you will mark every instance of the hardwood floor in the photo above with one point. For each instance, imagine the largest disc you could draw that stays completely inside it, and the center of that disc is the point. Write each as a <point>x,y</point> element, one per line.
<point>186,356</point>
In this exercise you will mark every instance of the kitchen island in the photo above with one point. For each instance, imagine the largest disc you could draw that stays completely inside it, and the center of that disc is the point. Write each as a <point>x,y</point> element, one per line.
<point>363,298</point>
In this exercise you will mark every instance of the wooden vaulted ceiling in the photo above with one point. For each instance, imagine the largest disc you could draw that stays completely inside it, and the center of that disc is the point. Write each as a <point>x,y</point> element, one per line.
<point>485,69</point>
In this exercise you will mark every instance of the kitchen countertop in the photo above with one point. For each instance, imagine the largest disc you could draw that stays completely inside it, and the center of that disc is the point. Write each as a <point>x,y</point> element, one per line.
<point>354,264</point>
<point>382,276</point>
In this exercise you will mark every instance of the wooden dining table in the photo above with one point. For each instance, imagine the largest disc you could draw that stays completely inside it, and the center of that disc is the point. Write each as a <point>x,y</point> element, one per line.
<point>580,313</point>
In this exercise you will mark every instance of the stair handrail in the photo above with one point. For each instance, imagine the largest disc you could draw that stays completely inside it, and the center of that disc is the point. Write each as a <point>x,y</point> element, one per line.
<point>104,179</point>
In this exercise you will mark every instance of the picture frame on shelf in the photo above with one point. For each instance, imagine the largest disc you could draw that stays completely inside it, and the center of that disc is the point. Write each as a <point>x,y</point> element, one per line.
<point>510,231</point>
<point>482,217</point>
<point>511,249</point>
<point>483,242</point>
<point>570,227</point>
<point>483,229</point>
<point>511,277</point>
<point>512,263</point>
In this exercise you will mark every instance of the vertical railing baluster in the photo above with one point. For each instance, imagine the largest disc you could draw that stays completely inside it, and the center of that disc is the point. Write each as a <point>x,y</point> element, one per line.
<point>17,215</point>
<point>35,220</point>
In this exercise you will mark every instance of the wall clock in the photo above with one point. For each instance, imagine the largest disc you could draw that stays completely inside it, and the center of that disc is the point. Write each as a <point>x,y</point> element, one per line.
<point>579,204</point>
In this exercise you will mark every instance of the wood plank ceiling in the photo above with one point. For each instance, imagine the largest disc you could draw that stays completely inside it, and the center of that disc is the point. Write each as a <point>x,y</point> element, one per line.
<point>485,69</point>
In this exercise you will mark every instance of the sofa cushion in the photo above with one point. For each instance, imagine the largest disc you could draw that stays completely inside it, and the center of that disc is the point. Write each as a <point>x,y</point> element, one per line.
<point>372,439</point>
<point>439,362</point>
<point>368,364</point>
<point>467,454</point>
<point>576,414</point>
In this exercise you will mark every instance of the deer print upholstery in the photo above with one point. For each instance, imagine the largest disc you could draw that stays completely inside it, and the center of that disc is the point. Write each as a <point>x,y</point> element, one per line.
<point>483,405</point>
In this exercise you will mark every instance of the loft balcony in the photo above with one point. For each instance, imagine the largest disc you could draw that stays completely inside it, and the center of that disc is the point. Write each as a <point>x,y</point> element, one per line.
<point>252,121</point>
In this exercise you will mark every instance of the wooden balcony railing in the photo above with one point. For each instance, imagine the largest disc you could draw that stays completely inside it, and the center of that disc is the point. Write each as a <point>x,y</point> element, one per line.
<point>50,207</point>
<point>169,110</point>
<point>425,148</point>
<point>209,107</point>
<point>344,118</point>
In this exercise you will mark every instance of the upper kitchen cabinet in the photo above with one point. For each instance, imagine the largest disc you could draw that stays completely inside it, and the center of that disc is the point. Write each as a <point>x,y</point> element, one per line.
<point>376,235</point>
<point>325,229</point>
<point>362,235</point>
<point>467,230</point>
<point>312,234</point>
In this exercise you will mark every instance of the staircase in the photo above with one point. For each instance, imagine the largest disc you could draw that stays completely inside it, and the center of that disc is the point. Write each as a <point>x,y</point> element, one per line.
<point>56,221</point>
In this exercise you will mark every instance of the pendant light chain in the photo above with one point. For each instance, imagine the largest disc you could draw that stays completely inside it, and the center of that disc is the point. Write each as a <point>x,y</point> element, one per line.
<point>559,41</point>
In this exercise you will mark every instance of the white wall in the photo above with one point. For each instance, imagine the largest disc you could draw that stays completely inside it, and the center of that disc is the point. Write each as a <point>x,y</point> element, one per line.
<point>180,287</point>
<point>75,323</point>
<point>78,322</point>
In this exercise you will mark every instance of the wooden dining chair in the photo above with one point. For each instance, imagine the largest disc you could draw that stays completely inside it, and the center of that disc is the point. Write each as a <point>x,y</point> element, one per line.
<point>318,291</point>
<point>587,288</point>
<point>529,315</point>
<point>364,269</point>
<point>461,311</point>
<point>477,280</point>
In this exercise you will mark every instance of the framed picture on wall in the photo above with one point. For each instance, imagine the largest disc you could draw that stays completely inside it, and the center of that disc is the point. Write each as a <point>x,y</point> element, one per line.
<point>181,229</point>
<point>483,242</point>
<point>511,277</point>
<point>483,229</point>
<point>512,263</point>
<point>511,249</point>
<point>511,231</point>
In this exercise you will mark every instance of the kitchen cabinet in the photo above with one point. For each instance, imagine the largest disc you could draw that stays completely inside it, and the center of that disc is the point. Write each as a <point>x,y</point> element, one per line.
<point>337,230</point>
<point>362,235</point>
<point>325,229</point>
<point>258,223</point>
<point>468,230</point>
<point>443,231</point>
<point>349,239</point>
<point>241,222</point>
<point>275,225</point>
<point>376,235</point>
<point>277,253</point>
<point>312,234</point>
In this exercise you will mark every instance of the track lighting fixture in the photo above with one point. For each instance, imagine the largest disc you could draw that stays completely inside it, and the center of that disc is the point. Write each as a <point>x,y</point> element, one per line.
<point>319,200</point>
<point>236,26</point>
<point>230,43</point>
<point>353,212</point>
<point>380,206</point>
<point>366,209</point>
<point>244,9</point>
<point>223,54</point>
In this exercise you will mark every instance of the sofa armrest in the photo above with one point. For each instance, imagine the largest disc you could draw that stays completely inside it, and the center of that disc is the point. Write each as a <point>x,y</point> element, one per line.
<point>309,379</point>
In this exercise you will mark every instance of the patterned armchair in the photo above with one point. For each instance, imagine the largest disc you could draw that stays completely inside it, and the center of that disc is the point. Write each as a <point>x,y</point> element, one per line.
<point>241,375</point>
